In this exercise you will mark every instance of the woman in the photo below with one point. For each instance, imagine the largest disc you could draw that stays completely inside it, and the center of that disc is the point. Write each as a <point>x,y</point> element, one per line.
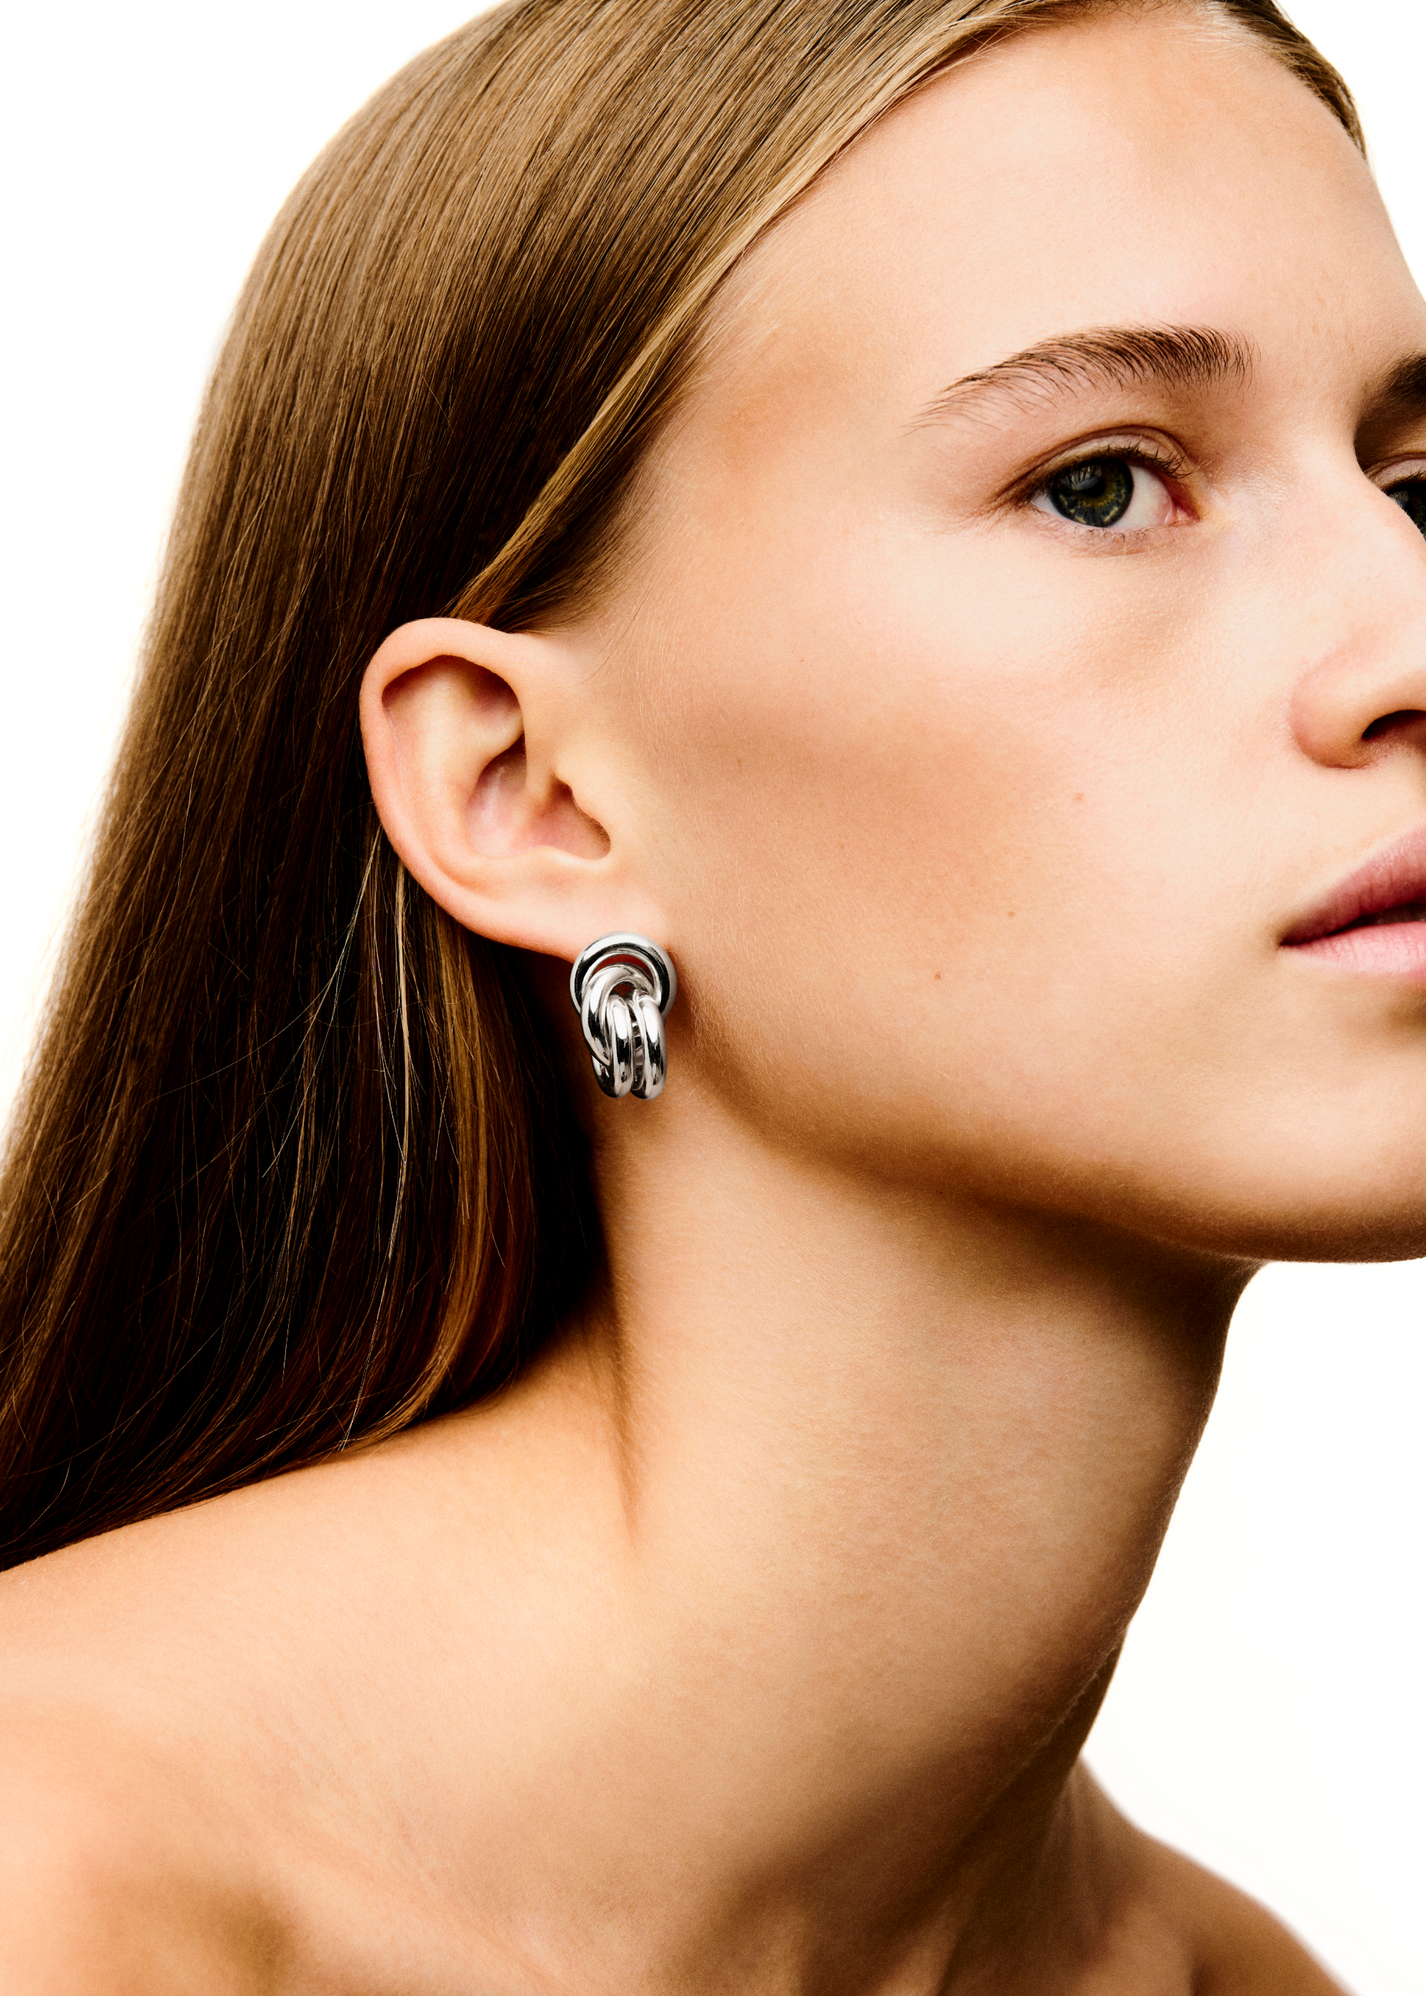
<point>918,517</point>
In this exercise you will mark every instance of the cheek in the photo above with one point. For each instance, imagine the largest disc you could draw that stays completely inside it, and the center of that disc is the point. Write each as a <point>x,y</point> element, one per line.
<point>955,842</point>
<point>976,862</point>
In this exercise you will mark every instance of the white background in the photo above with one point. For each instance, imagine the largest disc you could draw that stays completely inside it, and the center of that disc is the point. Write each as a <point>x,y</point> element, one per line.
<point>1267,1716</point>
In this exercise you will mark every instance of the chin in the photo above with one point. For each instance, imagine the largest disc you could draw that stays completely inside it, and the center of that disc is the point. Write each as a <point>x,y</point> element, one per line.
<point>1320,1187</point>
<point>1350,1206</point>
<point>1356,1238</point>
<point>1313,1225</point>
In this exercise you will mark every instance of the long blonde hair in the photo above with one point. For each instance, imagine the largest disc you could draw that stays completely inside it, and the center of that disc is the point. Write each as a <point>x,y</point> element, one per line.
<point>294,1165</point>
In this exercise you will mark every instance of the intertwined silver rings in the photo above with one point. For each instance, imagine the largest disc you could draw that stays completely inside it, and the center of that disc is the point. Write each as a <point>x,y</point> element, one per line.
<point>621,986</point>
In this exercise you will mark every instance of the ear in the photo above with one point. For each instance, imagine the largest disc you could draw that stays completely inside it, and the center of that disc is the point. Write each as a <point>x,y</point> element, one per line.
<point>468,733</point>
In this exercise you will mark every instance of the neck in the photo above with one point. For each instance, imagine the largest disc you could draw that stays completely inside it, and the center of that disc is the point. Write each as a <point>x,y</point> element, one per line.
<point>885,1475</point>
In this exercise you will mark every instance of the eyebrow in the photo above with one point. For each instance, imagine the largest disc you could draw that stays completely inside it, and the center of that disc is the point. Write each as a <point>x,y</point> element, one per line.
<point>1103,357</point>
<point>1403,393</point>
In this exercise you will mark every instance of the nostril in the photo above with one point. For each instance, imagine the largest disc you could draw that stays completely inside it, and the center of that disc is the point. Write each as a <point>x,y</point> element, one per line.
<point>1391,724</point>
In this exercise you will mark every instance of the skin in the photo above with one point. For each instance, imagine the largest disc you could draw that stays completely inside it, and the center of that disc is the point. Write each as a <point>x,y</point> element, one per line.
<point>749,1642</point>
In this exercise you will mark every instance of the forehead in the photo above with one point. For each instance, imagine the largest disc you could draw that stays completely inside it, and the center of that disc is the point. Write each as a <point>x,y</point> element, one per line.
<point>1136,168</point>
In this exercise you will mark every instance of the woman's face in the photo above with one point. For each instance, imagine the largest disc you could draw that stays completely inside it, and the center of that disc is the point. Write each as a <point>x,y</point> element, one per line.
<point>1026,629</point>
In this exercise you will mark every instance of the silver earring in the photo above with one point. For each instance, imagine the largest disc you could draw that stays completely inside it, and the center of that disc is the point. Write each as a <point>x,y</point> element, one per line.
<point>621,986</point>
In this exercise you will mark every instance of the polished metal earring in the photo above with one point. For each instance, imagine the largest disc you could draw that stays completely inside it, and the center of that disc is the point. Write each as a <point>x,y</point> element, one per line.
<point>621,986</point>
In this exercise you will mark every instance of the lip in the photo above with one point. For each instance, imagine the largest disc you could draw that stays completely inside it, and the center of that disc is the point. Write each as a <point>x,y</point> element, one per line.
<point>1375,919</point>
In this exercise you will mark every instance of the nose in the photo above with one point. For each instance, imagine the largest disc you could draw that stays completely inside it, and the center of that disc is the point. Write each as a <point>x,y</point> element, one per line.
<point>1367,697</point>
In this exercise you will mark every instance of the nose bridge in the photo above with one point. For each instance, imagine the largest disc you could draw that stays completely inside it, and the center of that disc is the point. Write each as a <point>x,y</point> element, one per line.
<point>1363,579</point>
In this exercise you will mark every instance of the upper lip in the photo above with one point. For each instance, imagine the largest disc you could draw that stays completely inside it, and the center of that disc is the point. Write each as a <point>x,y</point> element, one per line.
<point>1392,878</point>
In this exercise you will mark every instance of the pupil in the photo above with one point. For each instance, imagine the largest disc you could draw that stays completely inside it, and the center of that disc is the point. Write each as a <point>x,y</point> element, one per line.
<point>1410,496</point>
<point>1098,492</point>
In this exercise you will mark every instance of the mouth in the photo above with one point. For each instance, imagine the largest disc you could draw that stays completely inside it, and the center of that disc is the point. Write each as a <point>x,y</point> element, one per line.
<point>1375,919</point>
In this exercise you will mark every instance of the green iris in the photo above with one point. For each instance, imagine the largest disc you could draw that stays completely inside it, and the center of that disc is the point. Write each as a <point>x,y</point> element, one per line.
<point>1096,492</point>
<point>1410,496</point>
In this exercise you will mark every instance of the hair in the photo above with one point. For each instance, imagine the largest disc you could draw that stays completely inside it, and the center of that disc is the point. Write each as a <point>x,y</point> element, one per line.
<point>293,1165</point>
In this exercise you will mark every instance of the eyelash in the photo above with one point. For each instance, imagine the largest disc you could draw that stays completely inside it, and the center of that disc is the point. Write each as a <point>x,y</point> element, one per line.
<point>1412,471</point>
<point>1167,463</point>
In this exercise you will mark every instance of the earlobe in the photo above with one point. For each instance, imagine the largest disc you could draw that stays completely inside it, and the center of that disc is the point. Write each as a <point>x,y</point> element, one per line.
<point>463,728</point>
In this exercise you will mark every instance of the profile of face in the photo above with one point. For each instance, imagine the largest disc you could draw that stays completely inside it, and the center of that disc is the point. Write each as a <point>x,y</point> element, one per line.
<point>1019,634</point>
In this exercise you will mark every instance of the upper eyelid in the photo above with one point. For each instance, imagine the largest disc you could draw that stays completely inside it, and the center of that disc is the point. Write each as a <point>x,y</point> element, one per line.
<point>1123,443</point>
<point>1157,452</point>
<point>1398,470</point>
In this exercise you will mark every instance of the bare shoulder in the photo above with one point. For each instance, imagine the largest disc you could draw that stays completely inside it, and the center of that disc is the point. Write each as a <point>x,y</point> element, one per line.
<point>99,1890</point>
<point>102,1848</point>
<point>1240,1948</point>
<point>202,1787</point>
<point>1228,1943</point>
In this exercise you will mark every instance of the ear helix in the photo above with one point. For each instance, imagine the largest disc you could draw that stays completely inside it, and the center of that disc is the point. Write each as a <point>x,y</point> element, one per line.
<point>621,986</point>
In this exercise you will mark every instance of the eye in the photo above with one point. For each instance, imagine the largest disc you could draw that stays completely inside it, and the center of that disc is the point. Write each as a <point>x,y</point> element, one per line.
<point>1106,492</point>
<point>1410,496</point>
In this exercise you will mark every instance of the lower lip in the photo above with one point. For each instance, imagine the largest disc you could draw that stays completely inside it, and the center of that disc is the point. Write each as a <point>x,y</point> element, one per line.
<point>1389,949</point>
